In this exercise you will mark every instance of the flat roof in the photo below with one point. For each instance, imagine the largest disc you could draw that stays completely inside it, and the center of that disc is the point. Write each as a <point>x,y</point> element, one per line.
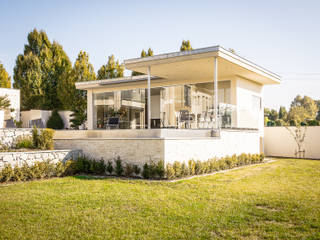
<point>140,64</point>
<point>186,65</point>
<point>103,82</point>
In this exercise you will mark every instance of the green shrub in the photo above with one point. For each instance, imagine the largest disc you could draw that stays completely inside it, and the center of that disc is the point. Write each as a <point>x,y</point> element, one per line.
<point>160,171</point>
<point>18,174</point>
<point>152,170</point>
<point>35,136</point>
<point>83,165</point>
<point>109,167</point>
<point>192,167</point>
<point>313,123</point>
<point>44,140</point>
<point>170,173</point>
<point>7,173</point>
<point>119,167</point>
<point>146,171</point>
<point>55,121</point>
<point>128,170</point>
<point>198,167</point>
<point>177,169</point>
<point>24,142</point>
<point>136,170</point>
<point>184,169</point>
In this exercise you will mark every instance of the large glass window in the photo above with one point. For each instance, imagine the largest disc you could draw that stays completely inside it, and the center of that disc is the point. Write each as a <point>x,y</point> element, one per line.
<point>188,106</point>
<point>119,109</point>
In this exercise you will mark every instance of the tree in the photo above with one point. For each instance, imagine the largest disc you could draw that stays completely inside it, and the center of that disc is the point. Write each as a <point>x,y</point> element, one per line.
<point>273,115</point>
<point>39,70</point>
<point>302,109</point>
<point>318,114</point>
<point>4,102</point>
<point>142,55</point>
<point>298,133</point>
<point>55,121</point>
<point>5,79</point>
<point>82,71</point>
<point>113,69</point>
<point>185,46</point>
<point>283,114</point>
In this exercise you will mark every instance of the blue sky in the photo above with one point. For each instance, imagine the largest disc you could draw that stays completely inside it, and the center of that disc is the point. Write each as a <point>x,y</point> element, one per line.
<point>282,36</point>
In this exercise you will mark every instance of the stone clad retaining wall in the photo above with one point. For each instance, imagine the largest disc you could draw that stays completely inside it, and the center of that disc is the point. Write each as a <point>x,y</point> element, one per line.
<point>8,136</point>
<point>143,149</point>
<point>19,158</point>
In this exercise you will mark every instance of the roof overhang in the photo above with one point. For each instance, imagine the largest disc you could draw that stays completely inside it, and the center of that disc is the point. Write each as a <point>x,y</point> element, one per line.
<point>199,64</point>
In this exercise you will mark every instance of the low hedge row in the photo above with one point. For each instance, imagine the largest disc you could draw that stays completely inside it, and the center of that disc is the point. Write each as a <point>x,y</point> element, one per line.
<point>38,170</point>
<point>152,170</point>
<point>178,169</point>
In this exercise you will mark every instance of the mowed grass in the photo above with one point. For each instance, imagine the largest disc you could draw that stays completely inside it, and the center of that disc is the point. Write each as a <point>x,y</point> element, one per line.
<point>278,200</point>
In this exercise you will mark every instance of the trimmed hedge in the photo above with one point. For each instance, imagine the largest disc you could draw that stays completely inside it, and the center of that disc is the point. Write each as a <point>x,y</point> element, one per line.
<point>152,170</point>
<point>179,170</point>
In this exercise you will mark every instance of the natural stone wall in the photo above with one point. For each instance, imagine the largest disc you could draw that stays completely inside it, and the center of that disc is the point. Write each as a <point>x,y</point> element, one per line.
<point>8,136</point>
<point>19,158</point>
<point>136,151</point>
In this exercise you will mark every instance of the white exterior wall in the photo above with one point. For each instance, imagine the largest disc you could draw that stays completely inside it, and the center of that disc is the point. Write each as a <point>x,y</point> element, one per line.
<point>231,142</point>
<point>246,116</point>
<point>278,142</point>
<point>14,97</point>
<point>27,116</point>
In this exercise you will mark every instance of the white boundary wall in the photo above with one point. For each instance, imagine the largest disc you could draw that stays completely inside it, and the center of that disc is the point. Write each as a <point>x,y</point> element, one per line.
<point>278,142</point>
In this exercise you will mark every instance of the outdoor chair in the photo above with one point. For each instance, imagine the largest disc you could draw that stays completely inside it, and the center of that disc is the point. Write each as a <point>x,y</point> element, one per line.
<point>113,123</point>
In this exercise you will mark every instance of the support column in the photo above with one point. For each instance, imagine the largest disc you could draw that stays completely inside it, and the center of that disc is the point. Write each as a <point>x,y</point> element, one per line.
<point>90,109</point>
<point>215,78</point>
<point>149,98</point>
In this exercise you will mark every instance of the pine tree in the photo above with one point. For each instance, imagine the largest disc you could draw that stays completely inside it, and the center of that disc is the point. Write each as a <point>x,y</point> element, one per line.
<point>82,71</point>
<point>113,69</point>
<point>185,46</point>
<point>39,70</point>
<point>5,79</point>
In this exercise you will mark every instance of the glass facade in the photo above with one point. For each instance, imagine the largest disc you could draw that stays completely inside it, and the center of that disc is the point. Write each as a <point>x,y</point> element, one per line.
<point>188,106</point>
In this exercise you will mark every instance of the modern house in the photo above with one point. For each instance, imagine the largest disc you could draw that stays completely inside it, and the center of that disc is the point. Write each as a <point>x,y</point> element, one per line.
<point>195,104</point>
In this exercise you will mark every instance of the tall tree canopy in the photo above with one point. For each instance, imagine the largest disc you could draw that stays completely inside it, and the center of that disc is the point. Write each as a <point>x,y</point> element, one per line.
<point>39,70</point>
<point>113,69</point>
<point>283,114</point>
<point>82,71</point>
<point>143,54</point>
<point>5,79</point>
<point>185,46</point>
<point>302,109</point>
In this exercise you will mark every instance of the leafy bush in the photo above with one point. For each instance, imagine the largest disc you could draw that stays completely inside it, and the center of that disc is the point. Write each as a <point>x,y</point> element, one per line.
<point>128,170</point>
<point>313,123</point>
<point>119,167</point>
<point>38,170</point>
<point>160,171</point>
<point>109,167</point>
<point>146,171</point>
<point>136,170</point>
<point>177,170</point>
<point>44,140</point>
<point>24,142</point>
<point>55,121</point>
<point>170,173</point>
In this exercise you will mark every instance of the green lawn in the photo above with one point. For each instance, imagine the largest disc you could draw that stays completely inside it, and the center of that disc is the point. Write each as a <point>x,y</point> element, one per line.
<point>278,200</point>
